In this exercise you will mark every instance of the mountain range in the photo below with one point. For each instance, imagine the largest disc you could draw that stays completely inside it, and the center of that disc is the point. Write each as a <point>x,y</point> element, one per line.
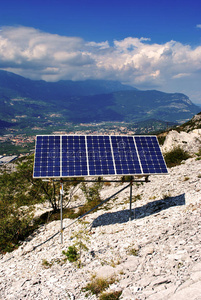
<point>30,101</point>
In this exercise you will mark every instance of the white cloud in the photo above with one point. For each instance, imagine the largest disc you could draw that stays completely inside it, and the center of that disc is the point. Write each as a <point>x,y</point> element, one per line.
<point>180,75</point>
<point>198,26</point>
<point>102,45</point>
<point>171,66</point>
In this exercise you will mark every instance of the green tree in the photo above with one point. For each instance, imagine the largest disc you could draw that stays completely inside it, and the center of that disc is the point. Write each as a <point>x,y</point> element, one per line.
<point>18,192</point>
<point>44,190</point>
<point>92,193</point>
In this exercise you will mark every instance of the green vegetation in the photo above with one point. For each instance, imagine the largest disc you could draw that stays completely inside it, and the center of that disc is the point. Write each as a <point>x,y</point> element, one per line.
<point>71,254</point>
<point>18,193</point>
<point>175,157</point>
<point>15,225</point>
<point>92,195</point>
<point>110,295</point>
<point>74,252</point>
<point>16,196</point>
<point>190,125</point>
<point>46,264</point>
<point>150,126</point>
<point>10,149</point>
<point>198,154</point>
<point>133,251</point>
<point>80,237</point>
<point>137,197</point>
<point>98,285</point>
<point>161,139</point>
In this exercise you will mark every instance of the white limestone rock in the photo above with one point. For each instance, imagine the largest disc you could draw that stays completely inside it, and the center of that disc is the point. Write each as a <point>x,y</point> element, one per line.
<point>190,141</point>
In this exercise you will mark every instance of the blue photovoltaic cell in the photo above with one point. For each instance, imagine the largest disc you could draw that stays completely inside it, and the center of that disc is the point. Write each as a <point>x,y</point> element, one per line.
<point>74,160</point>
<point>125,155</point>
<point>100,155</point>
<point>73,155</point>
<point>150,155</point>
<point>47,157</point>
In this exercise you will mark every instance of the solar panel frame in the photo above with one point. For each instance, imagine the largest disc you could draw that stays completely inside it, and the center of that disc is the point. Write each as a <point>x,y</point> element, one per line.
<point>150,155</point>
<point>125,155</point>
<point>73,156</point>
<point>47,157</point>
<point>60,156</point>
<point>100,158</point>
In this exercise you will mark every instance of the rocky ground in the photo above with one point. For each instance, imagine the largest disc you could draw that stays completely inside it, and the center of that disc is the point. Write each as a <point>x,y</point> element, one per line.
<point>156,255</point>
<point>190,141</point>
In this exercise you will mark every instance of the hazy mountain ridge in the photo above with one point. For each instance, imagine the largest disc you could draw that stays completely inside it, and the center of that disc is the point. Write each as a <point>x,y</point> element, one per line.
<point>89,101</point>
<point>43,90</point>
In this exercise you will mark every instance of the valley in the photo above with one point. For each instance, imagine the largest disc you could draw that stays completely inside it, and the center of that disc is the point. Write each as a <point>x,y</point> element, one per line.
<point>29,108</point>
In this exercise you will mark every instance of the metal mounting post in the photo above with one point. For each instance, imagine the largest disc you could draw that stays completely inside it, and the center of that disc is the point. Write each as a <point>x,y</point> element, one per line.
<point>104,201</point>
<point>131,184</point>
<point>61,206</point>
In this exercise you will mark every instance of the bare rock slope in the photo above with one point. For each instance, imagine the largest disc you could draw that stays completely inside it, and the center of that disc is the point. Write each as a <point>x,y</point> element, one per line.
<point>164,235</point>
<point>156,255</point>
<point>186,136</point>
<point>190,142</point>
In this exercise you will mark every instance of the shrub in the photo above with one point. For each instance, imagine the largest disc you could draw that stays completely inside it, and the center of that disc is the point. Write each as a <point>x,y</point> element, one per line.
<point>19,189</point>
<point>161,139</point>
<point>92,194</point>
<point>71,254</point>
<point>15,226</point>
<point>79,238</point>
<point>198,154</point>
<point>137,197</point>
<point>46,264</point>
<point>98,284</point>
<point>175,157</point>
<point>110,295</point>
<point>133,251</point>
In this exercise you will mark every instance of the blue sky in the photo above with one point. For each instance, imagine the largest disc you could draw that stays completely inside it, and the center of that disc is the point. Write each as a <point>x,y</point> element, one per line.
<point>148,44</point>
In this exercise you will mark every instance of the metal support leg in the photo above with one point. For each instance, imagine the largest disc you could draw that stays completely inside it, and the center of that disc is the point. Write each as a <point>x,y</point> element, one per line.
<point>131,184</point>
<point>61,207</point>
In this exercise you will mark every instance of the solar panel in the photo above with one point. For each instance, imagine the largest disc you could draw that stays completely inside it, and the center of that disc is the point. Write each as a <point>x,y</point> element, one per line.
<point>150,155</point>
<point>93,155</point>
<point>47,156</point>
<point>125,155</point>
<point>100,155</point>
<point>74,159</point>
